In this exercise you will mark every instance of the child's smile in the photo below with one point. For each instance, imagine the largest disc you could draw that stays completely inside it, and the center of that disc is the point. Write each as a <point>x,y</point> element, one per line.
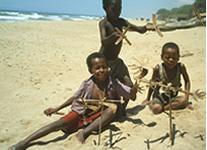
<point>170,58</point>
<point>99,69</point>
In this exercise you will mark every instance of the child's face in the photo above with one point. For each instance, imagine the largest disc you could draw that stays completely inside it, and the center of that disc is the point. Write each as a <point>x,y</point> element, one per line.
<point>114,9</point>
<point>170,57</point>
<point>99,69</point>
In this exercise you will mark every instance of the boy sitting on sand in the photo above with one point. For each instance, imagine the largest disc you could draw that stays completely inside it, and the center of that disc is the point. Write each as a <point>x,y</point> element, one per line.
<point>99,82</point>
<point>108,38</point>
<point>168,72</point>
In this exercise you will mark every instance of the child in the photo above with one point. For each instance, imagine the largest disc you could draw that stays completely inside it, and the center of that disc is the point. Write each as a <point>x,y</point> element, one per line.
<point>168,72</point>
<point>99,82</point>
<point>108,38</point>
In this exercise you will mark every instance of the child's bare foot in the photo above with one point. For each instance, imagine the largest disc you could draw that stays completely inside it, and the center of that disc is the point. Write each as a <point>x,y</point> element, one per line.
<point>18,146</point>
<point>145,102</point>
<point>190,107</point>
<point>80,137</point>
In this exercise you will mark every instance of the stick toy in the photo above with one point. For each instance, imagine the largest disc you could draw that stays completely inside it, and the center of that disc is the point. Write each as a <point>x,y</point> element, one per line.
<point>197,14</point>
<point>123,36</point>
<point>170,108</point>
<point>195,95</point>
<point>154,26</point>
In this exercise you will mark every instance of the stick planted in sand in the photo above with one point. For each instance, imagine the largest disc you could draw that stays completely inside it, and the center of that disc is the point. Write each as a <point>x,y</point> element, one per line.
<point>170,108</point>
<point>123,35</point>
<point>112,141</point>
<point>102,98</point>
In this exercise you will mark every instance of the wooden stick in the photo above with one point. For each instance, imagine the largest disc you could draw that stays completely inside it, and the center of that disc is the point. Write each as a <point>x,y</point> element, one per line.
<point>85,105</point>
<point>157,29</point>
<point>100,126</point>
<point>123,35</point>
<point>102,98</point>
<point>59,113</point>
<point>170,114</point>
<point>95,100</point>
<point>111,138</point>
<point>154,26</point>
<point>197,14</point>
<point>165,86</point>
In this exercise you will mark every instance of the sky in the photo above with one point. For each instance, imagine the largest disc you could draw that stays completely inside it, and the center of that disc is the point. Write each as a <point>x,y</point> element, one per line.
<point>130,8</point>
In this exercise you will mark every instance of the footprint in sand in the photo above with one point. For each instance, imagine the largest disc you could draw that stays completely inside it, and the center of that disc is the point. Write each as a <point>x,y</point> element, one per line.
<point>25,122</point>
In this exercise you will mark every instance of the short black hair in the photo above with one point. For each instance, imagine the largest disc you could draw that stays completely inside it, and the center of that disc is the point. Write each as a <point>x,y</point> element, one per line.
<point>106,3</point>
<point>170,45</point>
<point>93,56</point>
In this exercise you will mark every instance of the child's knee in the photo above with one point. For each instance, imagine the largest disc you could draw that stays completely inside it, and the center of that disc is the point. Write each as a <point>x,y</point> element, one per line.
<point>157,109</point>
<point>180,103</point>
<point>113,108</point>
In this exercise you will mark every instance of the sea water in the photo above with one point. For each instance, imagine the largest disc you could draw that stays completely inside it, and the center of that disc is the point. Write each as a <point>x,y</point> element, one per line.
<point>32,16</point>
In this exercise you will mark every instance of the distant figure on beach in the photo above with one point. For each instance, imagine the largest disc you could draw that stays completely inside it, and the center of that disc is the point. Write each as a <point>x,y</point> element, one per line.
<point>108,38</point>
<point>169,71</point>
<point>100,82</point>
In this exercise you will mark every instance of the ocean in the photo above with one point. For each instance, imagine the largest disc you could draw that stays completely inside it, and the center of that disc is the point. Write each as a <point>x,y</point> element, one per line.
<point>6,15</point>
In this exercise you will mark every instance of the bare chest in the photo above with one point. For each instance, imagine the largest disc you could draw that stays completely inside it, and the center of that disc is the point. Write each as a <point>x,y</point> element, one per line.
<point>97,93</point>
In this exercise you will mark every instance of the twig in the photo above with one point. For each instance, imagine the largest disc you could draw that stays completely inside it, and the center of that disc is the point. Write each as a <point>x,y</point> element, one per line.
<point>123,35</point>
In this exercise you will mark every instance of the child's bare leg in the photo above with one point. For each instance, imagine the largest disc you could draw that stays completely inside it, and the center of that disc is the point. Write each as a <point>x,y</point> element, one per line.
<point>106,117</point>
<point>178,103</point>
<point>123,107</point>
<point>55,126</point>
<point>127,81</point>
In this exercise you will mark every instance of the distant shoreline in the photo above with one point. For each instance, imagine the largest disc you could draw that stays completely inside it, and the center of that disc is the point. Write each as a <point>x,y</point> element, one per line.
<point>16,15</point>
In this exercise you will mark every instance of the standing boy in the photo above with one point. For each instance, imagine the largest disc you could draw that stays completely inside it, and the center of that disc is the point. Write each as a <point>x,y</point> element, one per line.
<point>108,38</point>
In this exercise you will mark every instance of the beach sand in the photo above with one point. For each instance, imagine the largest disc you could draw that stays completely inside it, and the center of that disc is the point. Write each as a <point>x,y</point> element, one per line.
<point>43,63</point>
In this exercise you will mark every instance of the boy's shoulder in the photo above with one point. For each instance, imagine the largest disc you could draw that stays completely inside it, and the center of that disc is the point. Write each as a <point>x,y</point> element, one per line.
<point>114,81</point>
<point>105,19</point>
<point>160,66</point>
<point>88,81</point>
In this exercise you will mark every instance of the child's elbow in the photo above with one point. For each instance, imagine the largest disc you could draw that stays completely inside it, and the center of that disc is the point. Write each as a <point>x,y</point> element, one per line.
<point>133,98</point>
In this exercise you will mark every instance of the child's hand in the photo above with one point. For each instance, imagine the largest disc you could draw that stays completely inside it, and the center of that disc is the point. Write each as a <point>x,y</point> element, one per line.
<point>143,73</point>
<point>50,111</point>
<point>116,35</point>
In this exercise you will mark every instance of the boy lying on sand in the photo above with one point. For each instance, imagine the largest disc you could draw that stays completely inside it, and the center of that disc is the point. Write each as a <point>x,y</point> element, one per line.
<point>99,82</point>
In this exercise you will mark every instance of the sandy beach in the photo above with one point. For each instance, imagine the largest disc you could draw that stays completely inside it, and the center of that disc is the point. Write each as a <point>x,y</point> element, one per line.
<point>44,62</point>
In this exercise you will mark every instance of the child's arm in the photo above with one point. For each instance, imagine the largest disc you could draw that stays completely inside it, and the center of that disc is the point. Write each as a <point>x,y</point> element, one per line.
<point>137,83</point>
<point>140,29</point>
<point>133,91</point>
<point>107,39</point>
<point>186,80</point>
<point>50,111</point>
<point>150,90</point>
